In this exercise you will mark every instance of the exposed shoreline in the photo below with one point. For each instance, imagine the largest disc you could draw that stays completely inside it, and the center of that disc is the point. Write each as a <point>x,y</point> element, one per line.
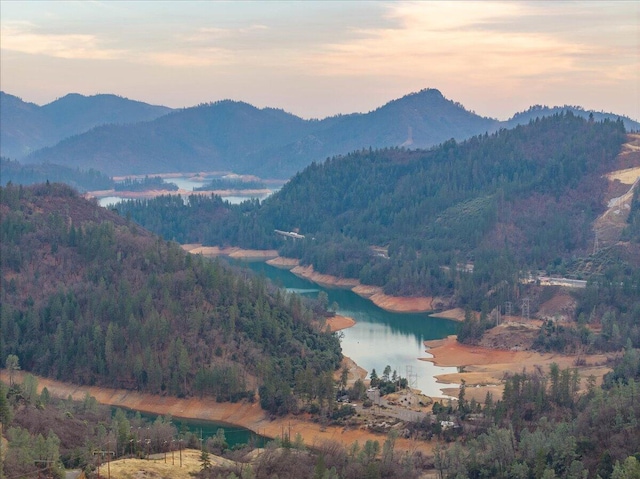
<point>483,369</point>
<point>338,322</point>
<point>231,251</point>
<point>393,304</point>
<point>147,194</point>
<point>244,414</point>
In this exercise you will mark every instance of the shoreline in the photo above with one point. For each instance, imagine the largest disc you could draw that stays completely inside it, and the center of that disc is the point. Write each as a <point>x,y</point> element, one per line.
<point>246,415</point>
<point>375,294</point>
<point>483,369</point>
<point>339,322</point>
<point>148,194</point>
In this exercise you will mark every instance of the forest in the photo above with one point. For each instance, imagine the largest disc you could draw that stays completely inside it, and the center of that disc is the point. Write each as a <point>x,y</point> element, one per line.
<point>517,200</point>
<point>90,297</point>
<point>543,427</point>
<point>144,184</point>
<point>231,184</point>
<point>28,174</point>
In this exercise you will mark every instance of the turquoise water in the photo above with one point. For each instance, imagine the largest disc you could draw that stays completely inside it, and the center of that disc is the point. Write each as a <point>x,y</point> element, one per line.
<point>379,337</point>
<point>234,435</point>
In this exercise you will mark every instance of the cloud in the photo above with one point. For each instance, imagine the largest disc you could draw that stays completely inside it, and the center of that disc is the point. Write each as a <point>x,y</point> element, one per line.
<point>209,34</point>
<point>203,57</point>
<point>24,38</point>
<point>471,40</point>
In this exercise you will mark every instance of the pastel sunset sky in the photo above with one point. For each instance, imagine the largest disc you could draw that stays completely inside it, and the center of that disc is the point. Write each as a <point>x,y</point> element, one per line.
<point>316,59</point>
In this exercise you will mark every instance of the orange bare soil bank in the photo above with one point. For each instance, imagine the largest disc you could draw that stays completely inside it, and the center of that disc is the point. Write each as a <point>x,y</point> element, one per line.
<point>483,369</point>
<point>247,415</point>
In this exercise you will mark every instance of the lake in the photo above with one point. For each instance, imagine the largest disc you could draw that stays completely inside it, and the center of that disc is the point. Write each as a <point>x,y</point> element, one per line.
<point>234,435</point>
<point>379,337</point>
<point>187,184</point>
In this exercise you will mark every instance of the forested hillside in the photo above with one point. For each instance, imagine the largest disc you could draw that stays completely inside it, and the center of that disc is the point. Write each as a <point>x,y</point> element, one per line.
<point>19,174</point>
<point>518,199</point>
<point>235,136</point>
<point>26,127</point>
<point>90,297</point>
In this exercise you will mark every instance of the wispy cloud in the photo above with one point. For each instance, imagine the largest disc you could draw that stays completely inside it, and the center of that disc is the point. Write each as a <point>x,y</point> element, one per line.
<point>23,37</point>
<point>327,57</point>
<point>476,40</point>
<point>203,57</point>
<point>209,34</point>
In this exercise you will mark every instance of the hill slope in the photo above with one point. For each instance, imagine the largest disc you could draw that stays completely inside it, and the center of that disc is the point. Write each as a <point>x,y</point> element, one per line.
<point>522,198</point>
<point>27,127</point>
<point>91,298</point>
<point>235,136</point>
<point>239,137</point>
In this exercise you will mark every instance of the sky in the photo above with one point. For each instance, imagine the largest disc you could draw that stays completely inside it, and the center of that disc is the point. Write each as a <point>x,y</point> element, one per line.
<point>317,59</point>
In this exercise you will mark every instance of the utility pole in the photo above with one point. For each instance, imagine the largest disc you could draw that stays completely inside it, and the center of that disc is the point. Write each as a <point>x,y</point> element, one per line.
<point>100,455</point>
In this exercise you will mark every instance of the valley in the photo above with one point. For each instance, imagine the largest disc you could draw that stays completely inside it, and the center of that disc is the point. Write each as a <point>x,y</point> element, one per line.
<point>529,262</point>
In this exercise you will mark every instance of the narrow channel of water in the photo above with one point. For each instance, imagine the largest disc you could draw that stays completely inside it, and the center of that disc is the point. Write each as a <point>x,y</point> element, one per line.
<point>379,338</point>
<point>234,435</point>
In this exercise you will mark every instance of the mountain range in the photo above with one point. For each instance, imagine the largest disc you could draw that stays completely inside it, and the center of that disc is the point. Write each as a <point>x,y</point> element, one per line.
<point>27,127</point>
<point>121,137</point>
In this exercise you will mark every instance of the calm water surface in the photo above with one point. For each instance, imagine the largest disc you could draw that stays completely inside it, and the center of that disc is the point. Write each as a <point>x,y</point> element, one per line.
<point>234,435</point>
<point>379,337</point>
<point>185,184</point>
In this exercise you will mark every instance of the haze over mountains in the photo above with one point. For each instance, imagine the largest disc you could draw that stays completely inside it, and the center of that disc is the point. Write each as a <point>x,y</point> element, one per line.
<point>27,127</point>
<point>122,137</point>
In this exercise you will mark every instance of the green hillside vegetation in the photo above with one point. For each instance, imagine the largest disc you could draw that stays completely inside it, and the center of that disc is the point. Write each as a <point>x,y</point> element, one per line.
<point>541,427</point>
<point>538,111</point>
<point>231,184</point>
<point>82,180</point>
<point>92,298</point>
<point>544,428</point>
<point>145,184</point>
<point>462,221</point>
<point>632,231</point>
<point>235,136</point>
<point>521,198</point>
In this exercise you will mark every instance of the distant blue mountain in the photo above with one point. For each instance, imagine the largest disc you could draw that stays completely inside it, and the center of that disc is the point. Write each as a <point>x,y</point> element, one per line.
<point>235,136</point>
<point>27,127</point>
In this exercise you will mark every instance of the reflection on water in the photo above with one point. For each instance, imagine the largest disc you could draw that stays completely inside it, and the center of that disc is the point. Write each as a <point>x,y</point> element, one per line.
<point>109,201</point>
<point>234,435</point>
<point>379,337</point>
<point>186,184</point>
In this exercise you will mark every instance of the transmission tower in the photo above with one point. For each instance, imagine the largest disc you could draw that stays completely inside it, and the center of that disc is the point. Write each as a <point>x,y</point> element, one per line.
<point>498,318</point>
<point>595,243</point>
<point>412,378</point>
<point>508,305</point>
<point>525,308</point>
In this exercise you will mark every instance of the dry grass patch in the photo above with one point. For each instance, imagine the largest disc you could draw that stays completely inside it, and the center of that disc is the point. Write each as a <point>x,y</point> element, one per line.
<point>158,469</point>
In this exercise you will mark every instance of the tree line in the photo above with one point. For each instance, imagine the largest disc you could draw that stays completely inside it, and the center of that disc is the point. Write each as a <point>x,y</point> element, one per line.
<point>517,200</point>
<point>91,298</point>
